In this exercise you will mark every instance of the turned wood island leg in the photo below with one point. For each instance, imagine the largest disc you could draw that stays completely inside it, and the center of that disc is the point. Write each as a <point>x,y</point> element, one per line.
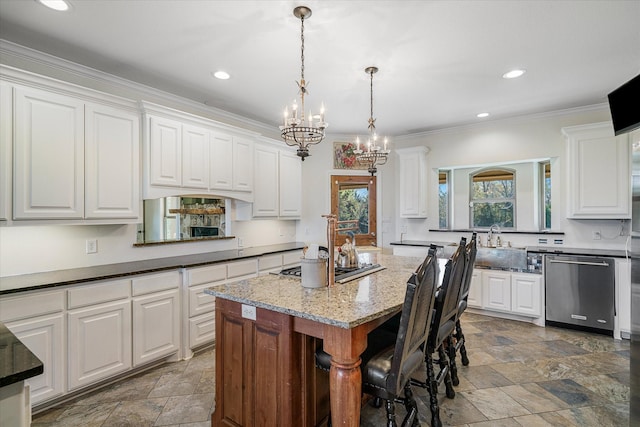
<point>345,379</point>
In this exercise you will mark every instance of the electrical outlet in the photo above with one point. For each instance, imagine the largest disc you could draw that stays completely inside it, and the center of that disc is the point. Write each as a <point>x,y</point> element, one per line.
<point>248,312</point>
<point>597,235</point>
<point>403,229</point>
<point>91,246</point>
<point>240,242</point>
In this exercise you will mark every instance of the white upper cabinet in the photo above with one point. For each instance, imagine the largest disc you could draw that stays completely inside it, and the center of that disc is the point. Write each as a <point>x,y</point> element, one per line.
<point>265,201</point>
<point>49,155</point>
<point>412,171</point>
<point>6,132</point>
<point>165,152</point>
<point>242,164</point>
<point>76,153</point>
<point>599,178</point>
<point>187,154</point>
<point>195,157</point>
<point>112,163</point>
<point>290,185</point>
<point>278,183</point>
<point>221,161</point>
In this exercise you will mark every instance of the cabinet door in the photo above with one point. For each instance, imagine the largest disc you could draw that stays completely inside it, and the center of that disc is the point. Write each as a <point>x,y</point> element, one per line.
<point>202,330</point>
<point>221,172</point>
<point>112,163</point>
<point>265,198</point>
<point>290,185</point>
<point>526,293</point>
<point>599,172</point>
<point>475,290</point>
<point>44,336</point>
<point>99,342</point>
<point>165,152</point>
<point>156,326</point>
<point>195,157</point>
<point>49,158</point>
<point>412,170</point>
<point>6,134</point>
<point>496,291</point>
<point>242,164</point>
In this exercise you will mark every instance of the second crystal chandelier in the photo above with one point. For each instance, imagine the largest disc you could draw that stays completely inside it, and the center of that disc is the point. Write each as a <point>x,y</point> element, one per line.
<point>374,155</point>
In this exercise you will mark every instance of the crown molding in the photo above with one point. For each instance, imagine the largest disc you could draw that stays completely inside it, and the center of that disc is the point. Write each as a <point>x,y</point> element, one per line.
<point>24,53</point>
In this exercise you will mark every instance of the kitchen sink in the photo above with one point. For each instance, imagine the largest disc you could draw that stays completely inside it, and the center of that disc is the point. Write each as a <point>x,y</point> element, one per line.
<point>501,258</point>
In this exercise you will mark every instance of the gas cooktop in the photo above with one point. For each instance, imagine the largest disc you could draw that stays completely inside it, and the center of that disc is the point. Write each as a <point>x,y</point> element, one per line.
<point>343,274</point>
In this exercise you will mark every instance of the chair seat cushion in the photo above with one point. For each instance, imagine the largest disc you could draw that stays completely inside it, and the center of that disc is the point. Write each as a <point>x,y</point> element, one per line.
<point>377,340</point>
<point>375,373</point>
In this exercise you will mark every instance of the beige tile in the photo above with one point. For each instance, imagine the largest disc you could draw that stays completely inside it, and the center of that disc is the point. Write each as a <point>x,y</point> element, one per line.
<point>605,386</point>
<point>599,416</point>
<point>494,403</point>
<point>186,409</point>
<point>136,413</point>
<point>518,372</point>
<point>534,398</point>
<point>485,377</point>
<point>533,420</point>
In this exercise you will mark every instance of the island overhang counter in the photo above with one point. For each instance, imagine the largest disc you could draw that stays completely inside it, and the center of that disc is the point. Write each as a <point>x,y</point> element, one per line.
<point>267,331</point>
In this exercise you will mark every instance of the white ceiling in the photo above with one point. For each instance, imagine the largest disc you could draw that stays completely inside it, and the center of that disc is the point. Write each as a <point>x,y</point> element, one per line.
<point>440,62</point>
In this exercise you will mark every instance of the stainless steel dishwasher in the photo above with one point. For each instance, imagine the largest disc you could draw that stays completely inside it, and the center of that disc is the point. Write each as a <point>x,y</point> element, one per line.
<point>580,292</point>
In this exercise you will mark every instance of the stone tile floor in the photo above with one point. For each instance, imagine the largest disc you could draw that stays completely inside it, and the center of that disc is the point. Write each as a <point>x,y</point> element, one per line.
<point>519,375</point>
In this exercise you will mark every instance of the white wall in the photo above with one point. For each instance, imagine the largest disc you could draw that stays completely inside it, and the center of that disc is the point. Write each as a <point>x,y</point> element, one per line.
<point>504,141</point>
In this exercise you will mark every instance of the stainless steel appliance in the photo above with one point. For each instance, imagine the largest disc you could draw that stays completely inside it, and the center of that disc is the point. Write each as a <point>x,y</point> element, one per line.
<point>343,274</point>
<point>580,292</point>
<point>204,231</point>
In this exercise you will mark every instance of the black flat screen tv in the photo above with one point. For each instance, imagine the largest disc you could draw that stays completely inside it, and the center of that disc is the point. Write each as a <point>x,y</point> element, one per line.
<point>624,104</point>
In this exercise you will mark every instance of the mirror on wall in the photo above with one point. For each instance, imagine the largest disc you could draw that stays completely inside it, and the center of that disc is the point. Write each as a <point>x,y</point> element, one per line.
<point>183,219</point>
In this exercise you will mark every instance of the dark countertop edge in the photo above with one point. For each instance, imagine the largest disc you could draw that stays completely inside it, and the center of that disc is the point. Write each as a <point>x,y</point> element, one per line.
<point>615,253</point>
<point>19,368</point>
<point>50,279</point>
<point>189,240</point>
<point>561,233</point>
<point>422,243</point>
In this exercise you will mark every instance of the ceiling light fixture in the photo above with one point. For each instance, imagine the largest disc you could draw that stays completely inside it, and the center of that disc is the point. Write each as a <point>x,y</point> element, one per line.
<point>374,155</point>
<point>222,75</point>
<point>59,5</point>
<point>513,74</point>
<point>482,115</point>
<point>295,131</point>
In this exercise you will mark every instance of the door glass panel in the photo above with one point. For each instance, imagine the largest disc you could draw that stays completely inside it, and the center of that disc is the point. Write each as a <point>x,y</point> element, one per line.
<point>353,201</point>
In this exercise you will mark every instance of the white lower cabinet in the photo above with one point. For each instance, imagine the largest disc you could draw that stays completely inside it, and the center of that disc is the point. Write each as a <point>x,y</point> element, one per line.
<point>156,326</point>
<point>37,319</point>
<point>200,307</point>
<point>474,299</point>
<point>514,293</point>
<point>496,290</point>
<point>526,294</point>
<point>99,342</point>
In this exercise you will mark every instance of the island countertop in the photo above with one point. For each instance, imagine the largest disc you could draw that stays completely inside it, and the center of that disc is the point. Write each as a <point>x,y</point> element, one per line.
<point>344,305</point>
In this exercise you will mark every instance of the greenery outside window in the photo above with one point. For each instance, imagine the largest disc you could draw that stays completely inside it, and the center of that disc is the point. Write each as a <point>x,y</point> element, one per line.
<point>493,198</point>
<point>353,201</point>
<point>444,195</point>
<point>545,190</point>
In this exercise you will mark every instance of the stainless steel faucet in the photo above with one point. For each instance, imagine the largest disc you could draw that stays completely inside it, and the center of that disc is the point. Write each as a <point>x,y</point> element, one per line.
<point>495,227</point>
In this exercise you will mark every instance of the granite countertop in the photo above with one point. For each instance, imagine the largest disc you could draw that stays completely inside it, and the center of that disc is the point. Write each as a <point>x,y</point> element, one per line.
<point>617,253</point>
<point>345,305</point>
<point>17,363</point>
<point>25,282</point>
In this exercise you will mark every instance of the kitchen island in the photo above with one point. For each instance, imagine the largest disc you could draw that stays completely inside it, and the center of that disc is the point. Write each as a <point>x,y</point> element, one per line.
<point>268,329</point>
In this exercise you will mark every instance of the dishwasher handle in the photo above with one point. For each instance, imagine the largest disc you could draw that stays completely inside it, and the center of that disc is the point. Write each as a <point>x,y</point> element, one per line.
<point>596,264</point>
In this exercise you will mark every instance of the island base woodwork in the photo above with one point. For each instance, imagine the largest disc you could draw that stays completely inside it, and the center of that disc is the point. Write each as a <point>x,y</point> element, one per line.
<point>265,371</point>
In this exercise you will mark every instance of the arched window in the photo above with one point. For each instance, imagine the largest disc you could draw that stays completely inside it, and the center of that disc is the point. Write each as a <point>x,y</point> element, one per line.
<point>493,198</point>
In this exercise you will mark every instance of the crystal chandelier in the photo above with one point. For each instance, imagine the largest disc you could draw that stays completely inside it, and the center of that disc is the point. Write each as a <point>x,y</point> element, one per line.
<point>298,130</point>
<point>374,155</point>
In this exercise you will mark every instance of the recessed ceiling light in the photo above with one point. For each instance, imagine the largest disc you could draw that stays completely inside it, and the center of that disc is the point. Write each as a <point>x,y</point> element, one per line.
<point>482,115</point>
<point>59,5</point>
<point>222,75</point>
<point>513,74</point>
